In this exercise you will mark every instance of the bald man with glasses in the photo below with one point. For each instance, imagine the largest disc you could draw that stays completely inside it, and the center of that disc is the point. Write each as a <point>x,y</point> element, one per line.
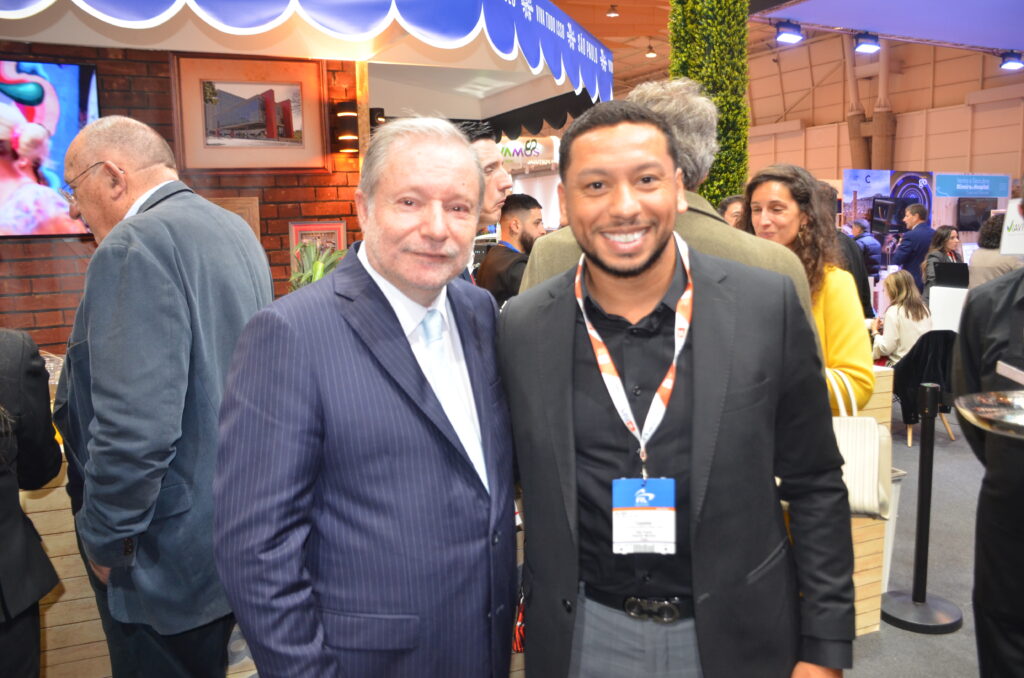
<point>172,282</point>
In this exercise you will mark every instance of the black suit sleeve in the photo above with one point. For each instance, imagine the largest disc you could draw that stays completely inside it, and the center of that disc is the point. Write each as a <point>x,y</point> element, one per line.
<point>38,452</point>
<point>809,466</point>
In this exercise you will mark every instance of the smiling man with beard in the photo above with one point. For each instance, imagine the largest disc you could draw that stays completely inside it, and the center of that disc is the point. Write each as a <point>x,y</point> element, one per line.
<point>656,394</point>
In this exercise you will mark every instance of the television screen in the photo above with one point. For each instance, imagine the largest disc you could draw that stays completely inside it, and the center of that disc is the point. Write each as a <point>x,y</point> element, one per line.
<point>887,215</point>
<point>62,99</point>
<point>971,213</point>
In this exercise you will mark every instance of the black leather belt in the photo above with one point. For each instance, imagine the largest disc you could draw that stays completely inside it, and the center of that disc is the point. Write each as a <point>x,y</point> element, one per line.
<point>661,610</point>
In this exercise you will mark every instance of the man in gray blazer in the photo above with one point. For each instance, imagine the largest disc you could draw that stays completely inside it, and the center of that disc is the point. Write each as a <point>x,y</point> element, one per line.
<point>694,119</point>
<point>170,286</point>
<point>655,376</point>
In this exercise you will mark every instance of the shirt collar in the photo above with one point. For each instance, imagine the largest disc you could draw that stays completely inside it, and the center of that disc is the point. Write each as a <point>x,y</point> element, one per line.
<point>669,301</point>
<point>410,313</point>
<point>137,205</point>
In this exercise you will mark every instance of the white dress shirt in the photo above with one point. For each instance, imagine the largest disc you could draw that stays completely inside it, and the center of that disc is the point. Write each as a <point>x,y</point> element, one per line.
<point>451,383</point>
<point>137,205</point>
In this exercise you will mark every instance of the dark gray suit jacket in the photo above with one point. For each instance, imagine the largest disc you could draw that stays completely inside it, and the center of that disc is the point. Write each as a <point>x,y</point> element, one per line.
<point>353,534</point>
<point>167,294</point>
<point>29,458</point>
<point>760,411</point>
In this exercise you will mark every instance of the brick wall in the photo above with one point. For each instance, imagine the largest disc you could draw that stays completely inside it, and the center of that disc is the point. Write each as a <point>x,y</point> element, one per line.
<point>41,279</point>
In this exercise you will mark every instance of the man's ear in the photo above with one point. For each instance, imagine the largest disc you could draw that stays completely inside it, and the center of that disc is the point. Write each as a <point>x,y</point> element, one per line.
<point>117,182</point>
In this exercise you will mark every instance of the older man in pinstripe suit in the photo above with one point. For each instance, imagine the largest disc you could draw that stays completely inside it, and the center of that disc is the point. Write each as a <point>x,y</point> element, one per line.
<point>363,493</point>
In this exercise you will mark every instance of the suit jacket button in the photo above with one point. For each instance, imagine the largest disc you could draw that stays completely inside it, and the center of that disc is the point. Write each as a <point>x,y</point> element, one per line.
<point>567,604</point>
<point>494,539</point>
<point>129,546</point>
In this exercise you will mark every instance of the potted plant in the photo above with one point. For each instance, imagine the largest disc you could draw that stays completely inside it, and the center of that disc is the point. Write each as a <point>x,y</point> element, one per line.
<point>313,260</point>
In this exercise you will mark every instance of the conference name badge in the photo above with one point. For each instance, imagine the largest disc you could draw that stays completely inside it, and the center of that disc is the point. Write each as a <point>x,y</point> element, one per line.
<point>644,516</point>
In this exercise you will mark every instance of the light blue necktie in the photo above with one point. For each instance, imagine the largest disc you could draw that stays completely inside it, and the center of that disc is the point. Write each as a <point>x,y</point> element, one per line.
<point>433,331</point>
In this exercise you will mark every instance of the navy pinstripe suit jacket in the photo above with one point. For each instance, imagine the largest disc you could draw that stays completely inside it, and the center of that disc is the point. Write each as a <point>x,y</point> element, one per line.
<point>353,535</point>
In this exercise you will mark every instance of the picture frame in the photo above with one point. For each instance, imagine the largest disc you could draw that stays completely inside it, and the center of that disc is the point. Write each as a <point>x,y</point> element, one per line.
<point>246,207</point>
<point>328,231</point>
<point>244,115</point>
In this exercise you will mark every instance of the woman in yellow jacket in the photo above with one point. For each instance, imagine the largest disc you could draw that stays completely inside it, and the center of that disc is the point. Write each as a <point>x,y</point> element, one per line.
<point>785,203</point>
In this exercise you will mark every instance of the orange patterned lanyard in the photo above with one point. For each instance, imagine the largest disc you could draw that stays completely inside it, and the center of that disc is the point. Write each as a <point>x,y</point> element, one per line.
<point>612,380</point>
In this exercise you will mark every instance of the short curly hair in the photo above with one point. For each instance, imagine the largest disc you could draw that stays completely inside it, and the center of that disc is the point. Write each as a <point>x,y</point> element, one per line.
<point>990,235</point>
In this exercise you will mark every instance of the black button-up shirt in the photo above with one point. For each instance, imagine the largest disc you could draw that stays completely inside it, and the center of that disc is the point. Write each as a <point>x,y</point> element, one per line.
<point>606,450</point>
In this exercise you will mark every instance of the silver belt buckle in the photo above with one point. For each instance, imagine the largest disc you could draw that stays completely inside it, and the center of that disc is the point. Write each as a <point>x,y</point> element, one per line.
<point>660,611</point>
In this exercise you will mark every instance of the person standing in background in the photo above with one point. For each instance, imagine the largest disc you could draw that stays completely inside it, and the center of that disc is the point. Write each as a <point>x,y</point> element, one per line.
<point>913,244</point>
<point>870,248</point>
<point>987,263</point>
<point>172,282</point>
<point>501,271</point>
<point>731,209</point>
<point>29,458</point>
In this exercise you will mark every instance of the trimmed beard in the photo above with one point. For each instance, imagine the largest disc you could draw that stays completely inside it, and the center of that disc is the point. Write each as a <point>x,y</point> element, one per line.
<point>642,268</point>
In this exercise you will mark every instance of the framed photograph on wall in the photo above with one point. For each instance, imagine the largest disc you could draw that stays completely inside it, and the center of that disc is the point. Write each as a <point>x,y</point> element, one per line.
<point>237,115</point>
<point>326,234</point>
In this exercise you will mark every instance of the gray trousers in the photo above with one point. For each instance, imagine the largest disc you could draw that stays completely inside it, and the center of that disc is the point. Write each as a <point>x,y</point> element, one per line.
<point>608,643</point>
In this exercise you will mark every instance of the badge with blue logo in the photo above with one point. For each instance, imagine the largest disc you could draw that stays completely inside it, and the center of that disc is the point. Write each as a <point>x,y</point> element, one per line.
<point>644,515</point>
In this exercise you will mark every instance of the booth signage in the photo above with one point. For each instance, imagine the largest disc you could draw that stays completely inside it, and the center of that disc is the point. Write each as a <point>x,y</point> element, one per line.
<point>972,185</point>
<point>526,153</point>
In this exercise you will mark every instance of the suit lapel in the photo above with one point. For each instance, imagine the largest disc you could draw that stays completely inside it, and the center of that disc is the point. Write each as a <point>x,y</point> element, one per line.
<point>371,317</point>
<point>474,351</point>
<point>556,321</point>
<point>713,334</point>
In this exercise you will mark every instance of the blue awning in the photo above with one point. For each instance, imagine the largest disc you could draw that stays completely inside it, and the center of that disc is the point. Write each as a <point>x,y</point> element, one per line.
<point>535,29</point>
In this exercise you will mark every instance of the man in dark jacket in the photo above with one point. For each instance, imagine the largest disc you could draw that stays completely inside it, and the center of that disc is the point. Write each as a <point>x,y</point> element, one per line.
<point>502,268</point>
<point>914,243</point>
<point>870,248</point>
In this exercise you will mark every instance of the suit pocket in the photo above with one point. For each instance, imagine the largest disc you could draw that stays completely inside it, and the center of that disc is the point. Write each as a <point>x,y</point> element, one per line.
<point>773,559</point>
<point>356,631</point>
<point>746,395</point>
<point>173,499</point>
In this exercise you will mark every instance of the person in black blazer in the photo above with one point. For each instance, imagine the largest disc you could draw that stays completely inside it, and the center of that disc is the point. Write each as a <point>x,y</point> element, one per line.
<point>29,458</point>
<point>748,404</point>
<point>914,242</point>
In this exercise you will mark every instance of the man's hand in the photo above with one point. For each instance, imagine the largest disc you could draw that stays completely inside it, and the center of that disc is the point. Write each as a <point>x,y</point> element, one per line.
<point>806,670</point>
<point>103,573</point>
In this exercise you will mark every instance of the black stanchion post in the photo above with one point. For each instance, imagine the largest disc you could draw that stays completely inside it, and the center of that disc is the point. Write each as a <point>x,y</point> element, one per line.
<point>917,611</point>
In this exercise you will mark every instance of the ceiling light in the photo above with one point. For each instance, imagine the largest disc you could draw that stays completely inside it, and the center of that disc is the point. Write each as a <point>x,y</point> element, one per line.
<point>650,50</point>
<point>867,43</point>
<point>788,32</point>
<point>612,12</point>
<point>1011,61</point>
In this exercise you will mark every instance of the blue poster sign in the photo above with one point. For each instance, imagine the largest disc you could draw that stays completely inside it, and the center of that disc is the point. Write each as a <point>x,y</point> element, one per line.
<point>539,30</point>
<point>972,185</point>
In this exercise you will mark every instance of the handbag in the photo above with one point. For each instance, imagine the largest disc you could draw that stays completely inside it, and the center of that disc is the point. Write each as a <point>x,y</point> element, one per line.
<point>866,447</point>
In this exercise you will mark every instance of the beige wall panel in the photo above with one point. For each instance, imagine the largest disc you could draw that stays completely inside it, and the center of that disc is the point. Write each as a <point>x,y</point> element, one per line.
<point>952,164</point>
<point>768,110</point>
<point>953,95</point>
<point>760,145</point>
<point>785,143</point>
<point>911,78</point>
<point>794,157</point>
<point>994,140</point>
<point>824,115</point>
<point>825,136</point>
<point>829,94</point>
<point>828,72</point>
<point>963,68</point>
<point>763,88</point>
<point>793,58</point>
<point>830,49</point>
<point>755,163</point>
<point>796,80</point>
<point>997,77</point>
<point>844,151</point>
<point>942,121</point>
<point>821,162</point>
<point>909,100</point>
<point>907,150</point>
<point>911,125</point>
<point>910,53</point>
<point>947,54</point>
<point>998,163</point>
<point>762,67</point>
<point>948,145</point>
<point>998,114</point>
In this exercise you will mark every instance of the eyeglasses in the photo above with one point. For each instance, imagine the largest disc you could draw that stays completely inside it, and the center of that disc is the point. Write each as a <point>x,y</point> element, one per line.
<point>69,188</point>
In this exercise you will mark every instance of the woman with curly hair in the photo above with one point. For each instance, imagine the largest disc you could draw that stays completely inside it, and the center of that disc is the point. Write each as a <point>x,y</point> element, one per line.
<point>942,250</point>
<point>785,203</point>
